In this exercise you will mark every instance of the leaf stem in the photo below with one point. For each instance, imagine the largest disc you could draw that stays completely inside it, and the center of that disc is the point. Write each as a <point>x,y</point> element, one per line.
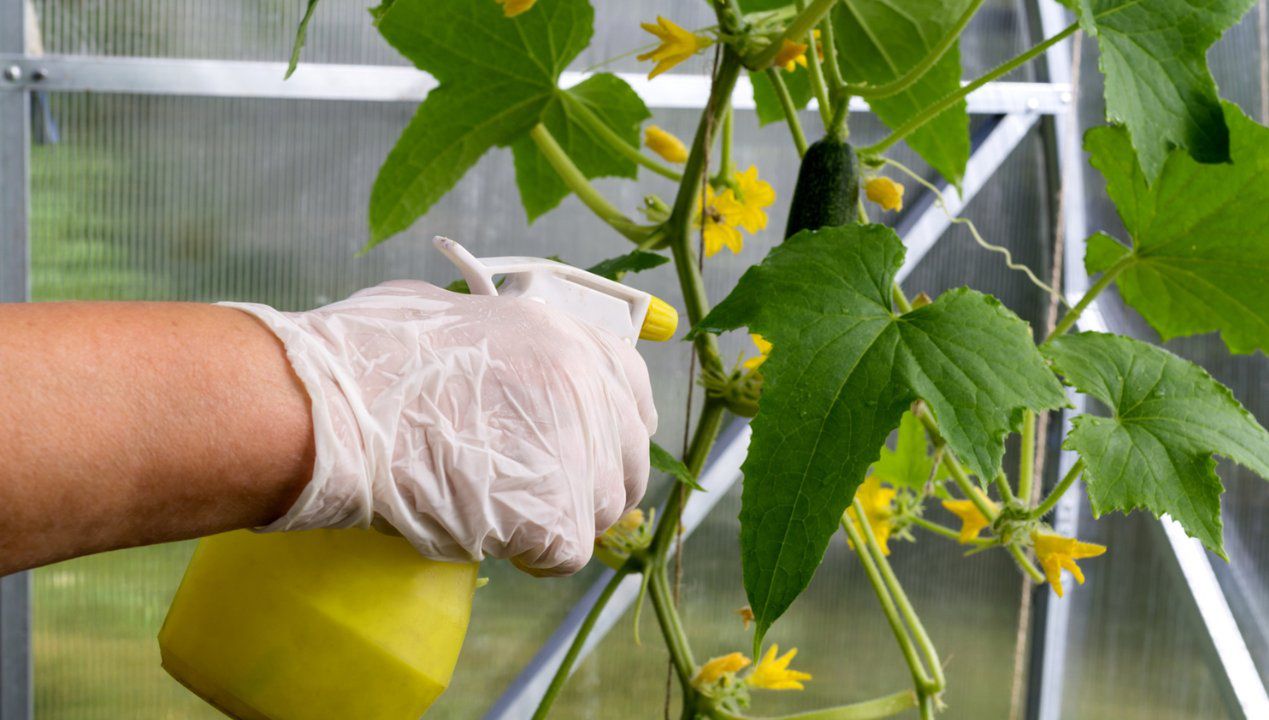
<point>1002,485</point>
<point>1059,490</point>
<point>948,532</point>
<point>727,166</point>
<point>830,59</point>
<point>918,71</point>
<point>875,709</point>
<point>1026,461</point>
<point>816,74</point>
<point>1073,315</point>
<point>600,129</point>
<point>575,649</point>
<point>671,627</point>
<point>937,107</point>
<point>1024,562</point>
<point>919,676</point>
<point>801,24</point>
<point>915,626</point>
<point>577,182</point>
<point>790,111</point>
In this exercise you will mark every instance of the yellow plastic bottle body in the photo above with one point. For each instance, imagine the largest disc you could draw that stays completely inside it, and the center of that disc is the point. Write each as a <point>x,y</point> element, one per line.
<point>317,625</point>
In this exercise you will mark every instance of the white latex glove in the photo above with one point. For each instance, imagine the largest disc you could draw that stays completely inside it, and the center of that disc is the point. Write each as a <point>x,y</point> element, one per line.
<point>472,425</point>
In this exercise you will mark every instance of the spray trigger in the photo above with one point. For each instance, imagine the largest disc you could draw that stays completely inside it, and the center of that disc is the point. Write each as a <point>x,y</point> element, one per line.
<point>620,309</point>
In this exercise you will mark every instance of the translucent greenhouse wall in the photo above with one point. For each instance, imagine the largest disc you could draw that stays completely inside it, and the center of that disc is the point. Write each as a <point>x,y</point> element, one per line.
<point>187,198</point>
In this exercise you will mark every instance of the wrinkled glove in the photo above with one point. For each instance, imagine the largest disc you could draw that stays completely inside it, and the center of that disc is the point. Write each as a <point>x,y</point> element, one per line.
<point>472,425</point>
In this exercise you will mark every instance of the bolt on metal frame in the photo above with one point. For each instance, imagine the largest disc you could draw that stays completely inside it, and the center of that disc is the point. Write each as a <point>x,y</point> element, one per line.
<point>1017,107</point>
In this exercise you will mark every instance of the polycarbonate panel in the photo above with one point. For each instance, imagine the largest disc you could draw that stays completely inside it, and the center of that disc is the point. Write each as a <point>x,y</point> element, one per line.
<point>341,31</point>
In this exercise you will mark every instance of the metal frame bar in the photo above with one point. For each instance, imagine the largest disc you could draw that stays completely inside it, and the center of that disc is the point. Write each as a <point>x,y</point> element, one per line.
<point>393,83</point>
<point>16,689</point>
<point>921,229</point>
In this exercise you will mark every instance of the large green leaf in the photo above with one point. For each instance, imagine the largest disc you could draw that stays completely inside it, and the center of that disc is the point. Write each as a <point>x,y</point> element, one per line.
<point>844,368</point>
<point>879,40</point>
<point>1154,56</point>
<point>1200,236</point>
<point>497,76</point>
<point>1168,416</point>
<point>604,96</point>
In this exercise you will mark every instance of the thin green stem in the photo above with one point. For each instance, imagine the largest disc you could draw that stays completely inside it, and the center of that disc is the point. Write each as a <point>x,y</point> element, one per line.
<point>927,707</point>
<point>919,675</point>
<point>910,616</point>
<point>937,107</point>
<point>671,627</point>
<point>959,474</point>
<point>948,532</point>
<point>801,24</point>
<point>600,129</point>
<point>1026,461</point>
<point>816,74</point>
<point>790,111</point>
<point>575,649</point>
<point>875,709</point>
<point>830,58</point>
<point>727,167</point>
<point>577,182</point>
<point>1059,490</point>
<point>1002,485</point>
<point>1069,319</point>
<point>916,72</point>
<point>901,299</point>
<point>1024,562</point>
<point>707,427</point>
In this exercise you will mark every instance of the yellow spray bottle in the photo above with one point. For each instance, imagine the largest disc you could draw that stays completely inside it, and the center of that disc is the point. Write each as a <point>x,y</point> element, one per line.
<point>342,624</point>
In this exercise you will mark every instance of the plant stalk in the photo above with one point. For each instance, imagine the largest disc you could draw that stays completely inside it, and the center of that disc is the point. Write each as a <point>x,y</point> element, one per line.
<point>1026,461</point>
<point>910,617</point>
<point>575,649</point>
<point>919,676</point>
<point>671,628</point>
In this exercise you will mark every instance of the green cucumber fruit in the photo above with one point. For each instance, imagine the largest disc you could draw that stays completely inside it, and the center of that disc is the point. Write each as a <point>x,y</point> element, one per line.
<point>827,193</point>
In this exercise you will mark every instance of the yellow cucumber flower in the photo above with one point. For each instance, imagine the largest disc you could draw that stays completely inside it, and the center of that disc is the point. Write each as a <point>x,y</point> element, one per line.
<point>719,230</point>
<point>712,671</point>
<point>511,8</point>
<point>745,207</point>
<point>677,45</point>
<point>877,502</point>
<point>1057,551</point>
<point>664,144</point>
<point>791,55</point>
<point>972,520</point>
<point>885,192</point>
<point>764,349</point>
<point>772,673</point>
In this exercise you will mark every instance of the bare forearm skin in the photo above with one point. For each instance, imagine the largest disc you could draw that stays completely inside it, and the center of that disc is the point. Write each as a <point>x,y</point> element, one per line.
<point>127,424</point>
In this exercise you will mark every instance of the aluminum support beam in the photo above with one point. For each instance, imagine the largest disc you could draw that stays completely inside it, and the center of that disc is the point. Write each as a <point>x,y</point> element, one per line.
<point>16,693</point>
<point>393,83</point>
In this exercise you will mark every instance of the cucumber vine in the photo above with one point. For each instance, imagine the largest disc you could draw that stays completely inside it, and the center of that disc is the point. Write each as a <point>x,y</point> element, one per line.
<point>847,358</point>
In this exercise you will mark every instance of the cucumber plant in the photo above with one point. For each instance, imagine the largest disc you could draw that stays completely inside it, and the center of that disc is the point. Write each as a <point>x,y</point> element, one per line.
<point>847,358</point>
